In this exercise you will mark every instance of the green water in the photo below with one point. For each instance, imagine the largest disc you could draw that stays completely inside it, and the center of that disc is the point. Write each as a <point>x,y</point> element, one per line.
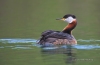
<point>27,19</point>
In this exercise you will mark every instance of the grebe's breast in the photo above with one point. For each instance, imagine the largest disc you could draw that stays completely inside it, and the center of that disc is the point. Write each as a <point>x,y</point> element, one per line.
<point>61,41</point>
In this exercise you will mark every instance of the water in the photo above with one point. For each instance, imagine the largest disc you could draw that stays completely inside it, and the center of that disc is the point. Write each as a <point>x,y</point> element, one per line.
<point>29,43</point>
<point>23,20</point>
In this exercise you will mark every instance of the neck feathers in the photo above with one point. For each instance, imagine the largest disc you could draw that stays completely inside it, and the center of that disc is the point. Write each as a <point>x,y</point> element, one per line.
<point>70,27</point>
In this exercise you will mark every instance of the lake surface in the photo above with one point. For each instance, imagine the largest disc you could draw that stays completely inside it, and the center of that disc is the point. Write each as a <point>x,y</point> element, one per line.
<point>75,54</point>
<point>29,43</point>
<point>21,24</point>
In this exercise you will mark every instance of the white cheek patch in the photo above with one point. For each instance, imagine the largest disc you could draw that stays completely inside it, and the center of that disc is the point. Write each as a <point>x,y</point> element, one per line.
<point>69,19</point>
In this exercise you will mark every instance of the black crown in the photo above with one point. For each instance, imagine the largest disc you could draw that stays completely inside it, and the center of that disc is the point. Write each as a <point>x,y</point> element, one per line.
<point>68,15</point>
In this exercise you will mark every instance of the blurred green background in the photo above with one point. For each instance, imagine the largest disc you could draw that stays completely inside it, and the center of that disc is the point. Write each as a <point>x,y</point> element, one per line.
<point>28,18</point>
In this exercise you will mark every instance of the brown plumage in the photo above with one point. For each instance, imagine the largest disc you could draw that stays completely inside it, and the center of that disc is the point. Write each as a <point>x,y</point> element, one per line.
<point>51,37</point>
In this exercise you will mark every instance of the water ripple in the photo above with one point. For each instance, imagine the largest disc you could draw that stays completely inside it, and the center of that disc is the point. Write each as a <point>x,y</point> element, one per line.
<point>84,46</point>
<point>32,43</point>
<point>90,40</point>
<point>18,40</point>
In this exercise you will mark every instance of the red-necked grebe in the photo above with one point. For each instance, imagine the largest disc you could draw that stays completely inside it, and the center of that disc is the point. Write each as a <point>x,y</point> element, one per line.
<point>60,37</point>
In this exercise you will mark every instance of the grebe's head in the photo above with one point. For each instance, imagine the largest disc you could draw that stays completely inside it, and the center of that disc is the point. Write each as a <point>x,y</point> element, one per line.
<point>68,18</point>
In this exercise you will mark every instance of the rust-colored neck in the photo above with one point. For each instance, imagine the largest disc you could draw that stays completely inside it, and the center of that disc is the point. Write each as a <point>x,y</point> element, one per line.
<point>70,27</point>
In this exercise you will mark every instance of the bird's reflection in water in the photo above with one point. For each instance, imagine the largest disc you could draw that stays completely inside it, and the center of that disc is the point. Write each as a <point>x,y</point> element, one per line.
<point>69,53</point>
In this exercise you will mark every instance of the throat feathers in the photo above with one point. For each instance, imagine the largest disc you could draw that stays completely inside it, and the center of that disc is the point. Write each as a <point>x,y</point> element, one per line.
<point>68,29</point>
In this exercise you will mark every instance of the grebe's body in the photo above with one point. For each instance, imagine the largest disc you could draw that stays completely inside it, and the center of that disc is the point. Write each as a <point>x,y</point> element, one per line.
<point>60,37</point>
